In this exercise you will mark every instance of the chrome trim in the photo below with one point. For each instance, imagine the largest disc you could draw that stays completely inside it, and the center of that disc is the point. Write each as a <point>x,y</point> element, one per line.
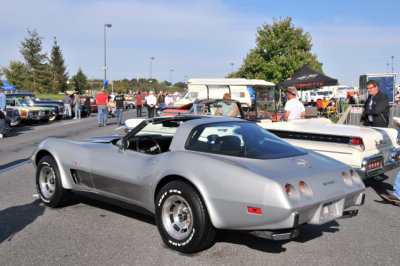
<point>386,166</point>
<point>276,235</point>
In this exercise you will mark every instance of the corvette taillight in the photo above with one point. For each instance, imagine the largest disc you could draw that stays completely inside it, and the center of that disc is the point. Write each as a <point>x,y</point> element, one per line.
<point>292,193</point>
<point>305,190</point>
<point>347,179</point>
<point>356,178</point>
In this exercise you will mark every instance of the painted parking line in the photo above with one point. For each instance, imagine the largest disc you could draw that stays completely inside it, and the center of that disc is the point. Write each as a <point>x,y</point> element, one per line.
<point>119,127</point>
<point>12,165</point>
<point>72,122</point>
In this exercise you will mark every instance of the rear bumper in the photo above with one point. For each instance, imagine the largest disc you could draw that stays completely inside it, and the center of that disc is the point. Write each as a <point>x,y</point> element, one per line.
<point>366,172</point>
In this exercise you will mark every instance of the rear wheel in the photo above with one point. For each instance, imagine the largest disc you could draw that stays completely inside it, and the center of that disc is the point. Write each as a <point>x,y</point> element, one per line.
<point>182,218</point>
<point>48,183</point>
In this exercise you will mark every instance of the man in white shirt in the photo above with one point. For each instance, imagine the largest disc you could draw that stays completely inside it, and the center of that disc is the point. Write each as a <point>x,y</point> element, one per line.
<point>151,102</point>
<point>294,109</point>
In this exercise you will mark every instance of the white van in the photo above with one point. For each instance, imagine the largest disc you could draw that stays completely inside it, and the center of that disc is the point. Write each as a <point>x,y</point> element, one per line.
<point>240,89</point>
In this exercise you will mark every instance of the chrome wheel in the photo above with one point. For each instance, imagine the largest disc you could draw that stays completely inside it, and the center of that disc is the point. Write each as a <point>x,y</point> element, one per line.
<point>177,217</point>
<point>47,181</point>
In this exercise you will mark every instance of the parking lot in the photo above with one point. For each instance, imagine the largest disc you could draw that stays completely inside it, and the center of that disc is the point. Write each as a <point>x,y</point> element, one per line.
<point>92,232</point>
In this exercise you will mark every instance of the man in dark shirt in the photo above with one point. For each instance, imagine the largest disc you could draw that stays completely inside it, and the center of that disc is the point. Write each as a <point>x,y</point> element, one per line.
<point>120,104</point>
<point>376,108</point>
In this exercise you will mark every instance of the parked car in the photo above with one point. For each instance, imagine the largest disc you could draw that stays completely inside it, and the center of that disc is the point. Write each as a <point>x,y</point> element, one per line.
<point>370,151</point>
<point>27,112</point>
<point>254,181</point>
<point>93,105</point>
<point>130,102</point>
<point>52,110</point>
<point>13,117</point>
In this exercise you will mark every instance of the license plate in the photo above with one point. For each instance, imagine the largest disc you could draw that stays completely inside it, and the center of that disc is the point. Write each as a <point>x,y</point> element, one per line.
<point>330,211</point>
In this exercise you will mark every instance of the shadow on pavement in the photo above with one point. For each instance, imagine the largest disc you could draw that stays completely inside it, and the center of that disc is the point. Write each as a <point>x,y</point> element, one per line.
<point>16,218</point>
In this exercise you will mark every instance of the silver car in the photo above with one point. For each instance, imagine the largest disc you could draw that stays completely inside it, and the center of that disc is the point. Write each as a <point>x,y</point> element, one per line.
<point>199,174</point>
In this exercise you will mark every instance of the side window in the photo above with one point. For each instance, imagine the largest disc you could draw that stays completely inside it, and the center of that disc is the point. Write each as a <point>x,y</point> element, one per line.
<point>221,140</point>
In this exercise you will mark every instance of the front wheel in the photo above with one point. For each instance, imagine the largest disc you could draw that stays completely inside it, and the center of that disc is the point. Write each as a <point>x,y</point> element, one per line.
<point>182,218</point>
<point>48,183</point>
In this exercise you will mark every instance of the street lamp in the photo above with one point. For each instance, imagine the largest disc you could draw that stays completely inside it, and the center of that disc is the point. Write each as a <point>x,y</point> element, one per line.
<point>151,58</point>
<point>105,61</point>
<point>392,64</point>
<point>387,67</point>
<point>170,76</point>
<point>232,67</point>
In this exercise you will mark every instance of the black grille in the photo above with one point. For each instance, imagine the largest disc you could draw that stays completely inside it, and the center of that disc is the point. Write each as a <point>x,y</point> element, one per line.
<point>310,136</point>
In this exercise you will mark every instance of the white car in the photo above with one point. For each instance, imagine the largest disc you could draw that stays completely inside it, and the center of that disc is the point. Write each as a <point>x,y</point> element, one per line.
<point>369,150</point>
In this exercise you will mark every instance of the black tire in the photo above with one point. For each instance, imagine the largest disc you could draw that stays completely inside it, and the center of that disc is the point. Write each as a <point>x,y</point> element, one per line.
<point>48,183</point>
<point>182,218</point>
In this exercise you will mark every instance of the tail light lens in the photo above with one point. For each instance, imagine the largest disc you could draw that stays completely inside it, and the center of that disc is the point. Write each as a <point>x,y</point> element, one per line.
<point>356,178</point>
<point>305,189</point>
<point>292,193</point>
<point>347,179</point>
<point>357,142</point>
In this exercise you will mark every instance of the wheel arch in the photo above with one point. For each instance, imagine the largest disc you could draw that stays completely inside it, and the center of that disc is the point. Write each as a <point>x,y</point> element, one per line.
<point>40,155</point>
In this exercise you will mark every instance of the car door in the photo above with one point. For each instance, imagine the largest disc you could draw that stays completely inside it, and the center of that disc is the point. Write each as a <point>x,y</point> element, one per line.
<point>125,174</point>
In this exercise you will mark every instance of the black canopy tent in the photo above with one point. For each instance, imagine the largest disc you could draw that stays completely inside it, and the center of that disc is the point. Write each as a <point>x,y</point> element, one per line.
<point>306,78</point>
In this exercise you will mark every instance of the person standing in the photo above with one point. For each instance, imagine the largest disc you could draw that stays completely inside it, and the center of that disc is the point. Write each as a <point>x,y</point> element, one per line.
<point>294,109</point>
<point>394,197</point>
<point>120,105</point>
<point>161,100</point>
<point>86,104</point>
<point>3,122</point>
<point>67,101</point>
<point>376,107</point>
<point>139,104</point>
<point>77,106</point>
<point>102,108</point>
<point>151,102</point>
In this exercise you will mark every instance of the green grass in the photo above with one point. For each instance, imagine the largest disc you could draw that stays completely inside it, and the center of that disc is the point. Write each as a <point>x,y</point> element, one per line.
<point>56,97</point>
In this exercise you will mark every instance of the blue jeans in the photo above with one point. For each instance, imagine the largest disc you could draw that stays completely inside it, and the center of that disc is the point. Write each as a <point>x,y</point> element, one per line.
<point>119,115</point>
<point>102,113</point>
<point>77,111</point>
<point>396,186</point>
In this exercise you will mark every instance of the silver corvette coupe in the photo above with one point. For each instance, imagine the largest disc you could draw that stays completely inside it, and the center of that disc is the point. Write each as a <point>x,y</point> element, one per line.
<point>198,174</point>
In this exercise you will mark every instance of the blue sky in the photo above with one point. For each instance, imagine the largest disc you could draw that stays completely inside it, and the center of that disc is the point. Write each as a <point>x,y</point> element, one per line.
<point>200,39</point>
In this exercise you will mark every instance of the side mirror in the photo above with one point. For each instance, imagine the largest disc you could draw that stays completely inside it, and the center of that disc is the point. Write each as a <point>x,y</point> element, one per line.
<point>123,144</point>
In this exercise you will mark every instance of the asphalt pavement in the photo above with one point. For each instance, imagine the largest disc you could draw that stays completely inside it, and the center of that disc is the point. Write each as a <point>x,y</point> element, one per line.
<point>90,232</point>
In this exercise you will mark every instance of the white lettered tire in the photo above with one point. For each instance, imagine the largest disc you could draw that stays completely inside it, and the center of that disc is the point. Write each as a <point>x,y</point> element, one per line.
<point>182,218</point>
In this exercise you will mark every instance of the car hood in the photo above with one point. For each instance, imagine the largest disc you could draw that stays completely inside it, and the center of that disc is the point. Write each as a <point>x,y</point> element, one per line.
<point>372,136</point>
<point>103,139</point>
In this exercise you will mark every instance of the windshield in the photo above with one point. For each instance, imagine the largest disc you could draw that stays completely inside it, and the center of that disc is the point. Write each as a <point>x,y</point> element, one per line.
<point>242,139</point>
<point>265,101</point>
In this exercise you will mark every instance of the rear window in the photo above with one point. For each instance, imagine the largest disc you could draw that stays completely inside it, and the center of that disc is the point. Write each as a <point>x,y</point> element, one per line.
<point>242,139</point>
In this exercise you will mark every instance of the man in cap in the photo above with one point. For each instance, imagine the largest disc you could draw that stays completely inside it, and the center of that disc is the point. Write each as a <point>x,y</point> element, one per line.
<point>294,109</point>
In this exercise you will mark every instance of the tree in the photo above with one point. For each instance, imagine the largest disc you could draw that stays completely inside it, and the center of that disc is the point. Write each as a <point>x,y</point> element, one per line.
<point>18,75</point>
<point>58,69</point>
<point>280,50</point>
<point>31,50</point>
<point>80,81</point>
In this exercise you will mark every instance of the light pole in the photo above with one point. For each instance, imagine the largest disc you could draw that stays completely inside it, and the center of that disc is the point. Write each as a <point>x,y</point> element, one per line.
<point>392,63</point>
<point>184,80</point>
<point>232,67</point>
<point>170,76</point>
<point>151,58</point>
<point>387,67</point>
<point>105,61</point>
